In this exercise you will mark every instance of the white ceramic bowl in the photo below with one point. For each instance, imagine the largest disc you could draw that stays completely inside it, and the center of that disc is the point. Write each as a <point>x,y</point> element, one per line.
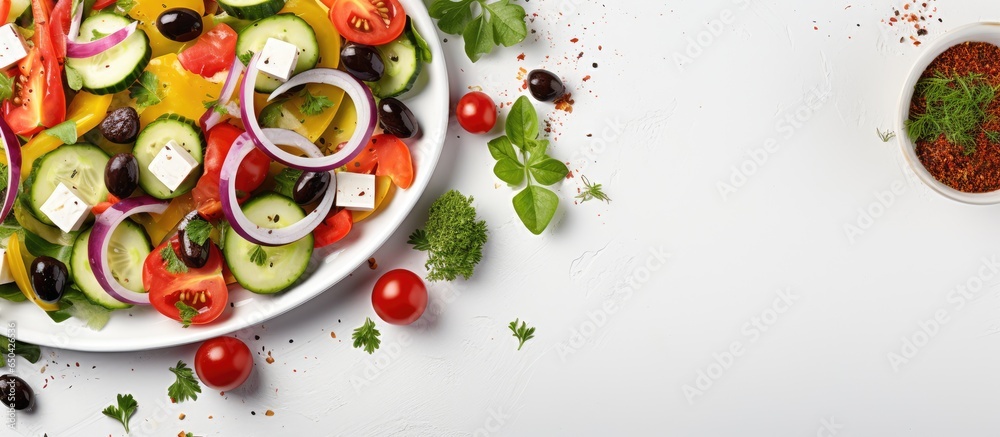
<point>976,32</point>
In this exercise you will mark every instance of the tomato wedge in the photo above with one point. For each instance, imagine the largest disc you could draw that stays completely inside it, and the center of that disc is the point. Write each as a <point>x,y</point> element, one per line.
<point>39,101</point>
<point>333,229</point>
<point>203,289</point>
<point>250,176</point>
<point>394,160</point>
<point>211,53</point>
<point>371,22</point>
<point>365,162</point>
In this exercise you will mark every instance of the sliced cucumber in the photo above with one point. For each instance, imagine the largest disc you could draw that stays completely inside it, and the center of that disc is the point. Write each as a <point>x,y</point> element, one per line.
<point>156,135</point>
<point>79,166</point>
<point>288,28</point>
<point>282,265</point>
<point>402,66</point>
<point>17,7</point>
<point>127,251</point>
<point>117,68</point>
<point>251,9</point>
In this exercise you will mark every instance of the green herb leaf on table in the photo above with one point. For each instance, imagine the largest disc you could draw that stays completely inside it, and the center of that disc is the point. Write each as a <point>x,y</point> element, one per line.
<point>73,78</point>
<point>535,205</point>
<point>198,231</point>
<point>452,237</point>
<point>186,313</point>
<point>185,386</point>
<point>6,87</point>
<point>124,411</point>
<point>885,136</point>
<point>497,23</point>
<point>523,333</point>
<point>592,191</point>
<point>28,351</point>
<point>145,91</point>
<point>367,336</point>
<point>258,255</point>
<point>314,105</point>
<point>174,263</point>
<point>65,132</point>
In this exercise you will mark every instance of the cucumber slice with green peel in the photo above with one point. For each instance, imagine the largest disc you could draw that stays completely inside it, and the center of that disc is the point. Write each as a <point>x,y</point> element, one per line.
<point>288,28</point>
<point>78,166</point>
<point>127,250</point>
<point>251,9</point>
<point>117,68</point>
<point>156,135</point>
<point>402,66</point>
<point>277,267</point>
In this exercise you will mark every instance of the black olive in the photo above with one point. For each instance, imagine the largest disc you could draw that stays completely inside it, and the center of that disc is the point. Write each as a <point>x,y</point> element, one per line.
<point>310,187</point>
<point>49,278</point>
<point>396,119</point>
<point>545,86</point>
<point>121,175</point>
<point>121,125</point>
<point>362,62</point>
<point>16,393</point>
<point>179,24</point>
<point>193,254</point>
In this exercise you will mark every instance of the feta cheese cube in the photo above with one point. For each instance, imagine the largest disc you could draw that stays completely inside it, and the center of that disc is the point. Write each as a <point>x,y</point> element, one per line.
<point>278,59</point>
<point>355,191</point>
<point>172,165</point>
<point>12,47</point>
<point>5,276</point>
<point>67,210</point>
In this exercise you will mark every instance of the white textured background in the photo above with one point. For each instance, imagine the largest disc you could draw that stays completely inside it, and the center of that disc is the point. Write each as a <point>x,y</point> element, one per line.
<point>782,103</point>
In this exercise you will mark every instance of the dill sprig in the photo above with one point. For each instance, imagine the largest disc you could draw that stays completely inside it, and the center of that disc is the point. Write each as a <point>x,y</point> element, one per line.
<point>955,107</point>
<point>885,136</point>
<point>592,191</point>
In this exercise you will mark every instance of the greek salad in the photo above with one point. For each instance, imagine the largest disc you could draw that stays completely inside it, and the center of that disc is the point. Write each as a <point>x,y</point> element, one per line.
<point>157,154</point>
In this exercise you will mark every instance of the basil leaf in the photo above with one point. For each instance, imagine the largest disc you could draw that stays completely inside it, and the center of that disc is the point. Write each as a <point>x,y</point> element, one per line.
<point>522,123</point>
<point>39,246</point>
<point>536,206</point>
<point>73,78</point>
<point>509,27</point>
<point>509,171</point>
<point>10,292</point>
<point>65,132</point>
<point>28,351</point>
<point>501,148</point>
<point>423,49</point>
<point>548,171</point>
<point>478,37</point>
<point>452,16</point>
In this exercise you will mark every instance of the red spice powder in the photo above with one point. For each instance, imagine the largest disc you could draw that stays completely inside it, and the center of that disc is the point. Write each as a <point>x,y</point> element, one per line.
<point>947,162</point>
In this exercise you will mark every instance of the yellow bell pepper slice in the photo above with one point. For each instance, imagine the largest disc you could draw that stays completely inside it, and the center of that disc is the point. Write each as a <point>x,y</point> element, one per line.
<point>328,39</point>
<point>86,110</point>
<point>187,99</point>
<point>16,262</point>
<point>147,11</point>
<point>341,128</point>
<point>383,192</point>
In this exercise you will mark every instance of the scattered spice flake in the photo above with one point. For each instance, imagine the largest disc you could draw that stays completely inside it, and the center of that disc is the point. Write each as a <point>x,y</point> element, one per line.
<point>574,40</point>
<point>565,103</point>
<point>524,85</point>
<point>916,13</point>
<point>521,73</point>
<point>520,57</point>
<point>586,78</point>
<point>269,359</point>
<point>372,264</point>
<point>333,334</point>
<point>181,416</point>
<point>269,413</point>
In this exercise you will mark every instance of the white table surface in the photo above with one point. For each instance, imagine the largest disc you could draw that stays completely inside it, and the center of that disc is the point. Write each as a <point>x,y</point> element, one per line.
<point>627,345</point>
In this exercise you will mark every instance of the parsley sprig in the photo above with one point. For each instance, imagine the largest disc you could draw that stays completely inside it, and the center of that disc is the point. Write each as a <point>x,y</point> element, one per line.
<point>146,91</point>
<point>453,238</point>
<point>124,411</point>
<point>367,336</point>
<point>313,105</point>
<point>6,87</point>
<point>258,255</point>
<point>186,386</point>
<point>535,204</point>
<point>174,263</point>
<point>198,231</point>
<point>523,333</point>
<point>186,312</point>
<point>498,22</point>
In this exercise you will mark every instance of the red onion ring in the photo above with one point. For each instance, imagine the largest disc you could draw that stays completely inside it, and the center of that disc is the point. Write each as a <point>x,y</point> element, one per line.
<point>87,49</point>
<point>100,237</point>
<point>231,207</point>
<point>364,103</point>
<point>11,148</point>
<point>213,117</point>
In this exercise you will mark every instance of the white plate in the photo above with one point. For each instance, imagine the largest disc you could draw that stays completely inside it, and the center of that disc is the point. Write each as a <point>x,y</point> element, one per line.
<point>144,328</point>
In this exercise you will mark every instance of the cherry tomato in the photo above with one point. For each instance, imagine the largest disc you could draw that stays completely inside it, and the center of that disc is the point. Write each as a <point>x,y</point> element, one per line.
<point>223,363</point>
<point>399,297</point>
<point>202,288</point>
<point>211,53</point>
<point>370,22</point>
<point>393,160</point>
<point>335,227</point>
<point>365,162</point>
<point>476,112</point>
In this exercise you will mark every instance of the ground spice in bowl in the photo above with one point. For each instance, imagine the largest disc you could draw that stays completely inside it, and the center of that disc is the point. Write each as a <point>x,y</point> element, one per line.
<point>948,162</point>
